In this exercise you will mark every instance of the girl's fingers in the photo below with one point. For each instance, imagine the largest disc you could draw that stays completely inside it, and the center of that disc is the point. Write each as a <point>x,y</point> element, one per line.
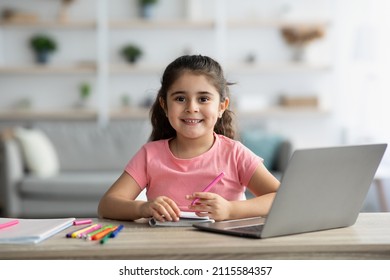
<point>172,209</point>
<point>203,195</point>
<point>166,210</point>
<point>158,216</point>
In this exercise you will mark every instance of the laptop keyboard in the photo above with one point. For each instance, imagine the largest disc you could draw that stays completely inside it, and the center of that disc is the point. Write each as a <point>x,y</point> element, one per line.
<point>249,229</point>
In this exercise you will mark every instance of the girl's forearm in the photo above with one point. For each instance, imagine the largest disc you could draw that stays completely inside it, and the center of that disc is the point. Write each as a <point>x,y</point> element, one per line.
<point>120,209</point>
<point>258,206</point>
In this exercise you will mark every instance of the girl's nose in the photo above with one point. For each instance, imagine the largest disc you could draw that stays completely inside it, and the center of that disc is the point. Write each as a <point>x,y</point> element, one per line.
<point>192,106</point>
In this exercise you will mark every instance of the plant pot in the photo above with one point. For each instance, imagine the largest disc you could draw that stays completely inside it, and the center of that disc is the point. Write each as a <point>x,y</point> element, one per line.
<point>132,60</point>
<point>42,57</point>
<point>299,53</point>
<point>147,11</point>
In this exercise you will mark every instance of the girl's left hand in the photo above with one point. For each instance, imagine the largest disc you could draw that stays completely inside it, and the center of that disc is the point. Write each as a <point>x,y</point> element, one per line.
<point>210,204</point>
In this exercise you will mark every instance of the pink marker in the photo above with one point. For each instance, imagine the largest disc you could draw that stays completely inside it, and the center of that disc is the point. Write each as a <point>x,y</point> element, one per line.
<point>8,224</point>
<point>89,230</point>
<point>82,222</point>
<point>212,184</point>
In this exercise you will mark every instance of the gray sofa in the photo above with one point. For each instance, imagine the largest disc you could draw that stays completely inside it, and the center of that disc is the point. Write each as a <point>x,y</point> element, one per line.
<point>90,157</point>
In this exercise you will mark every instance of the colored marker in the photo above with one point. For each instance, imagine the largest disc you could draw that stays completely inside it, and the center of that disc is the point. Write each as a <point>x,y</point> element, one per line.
<point>90,235</point>
<point>209,186</point>
<point>9,224</point>
<point>89,230</point>
<point>82,222</point>
<point>116,232</point>
<point>103,233</point>
<point>112,234</point>
<point>105,238</point>
<point>73,234</point>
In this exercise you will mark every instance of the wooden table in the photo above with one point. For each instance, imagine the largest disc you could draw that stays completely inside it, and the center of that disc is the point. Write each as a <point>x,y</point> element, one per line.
<point>369,238</point>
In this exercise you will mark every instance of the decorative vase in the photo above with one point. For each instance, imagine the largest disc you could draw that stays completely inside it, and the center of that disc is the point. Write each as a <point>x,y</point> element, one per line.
<point>299,53</point>
<point>147,11</point>
<point>132,59</point>
<point>42,57</point>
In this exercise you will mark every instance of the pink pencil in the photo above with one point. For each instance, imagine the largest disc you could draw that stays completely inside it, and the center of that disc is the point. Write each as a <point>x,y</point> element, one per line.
<point>209,186</point>
<point>8,224</point>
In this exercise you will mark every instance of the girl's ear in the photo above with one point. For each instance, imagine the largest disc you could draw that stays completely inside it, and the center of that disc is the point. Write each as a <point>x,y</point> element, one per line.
<point>223,106</point>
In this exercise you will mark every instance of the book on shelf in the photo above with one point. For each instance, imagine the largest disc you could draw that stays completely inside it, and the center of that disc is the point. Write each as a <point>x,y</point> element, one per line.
<point>187,219</point>
<point>32,231</point>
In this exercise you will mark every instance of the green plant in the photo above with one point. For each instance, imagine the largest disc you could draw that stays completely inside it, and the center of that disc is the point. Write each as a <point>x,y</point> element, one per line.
<point>147,8</point>
<point>43,43</point>
<point>85,90</point>
<point>147,2</point>
<point>131,53</point>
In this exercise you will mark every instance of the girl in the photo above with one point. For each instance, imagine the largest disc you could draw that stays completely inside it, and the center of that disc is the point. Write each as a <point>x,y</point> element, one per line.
<point>190,144</point>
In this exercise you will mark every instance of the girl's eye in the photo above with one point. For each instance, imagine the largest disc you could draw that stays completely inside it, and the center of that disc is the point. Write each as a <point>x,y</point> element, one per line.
<point>204,99</point>
<point>180,99</point>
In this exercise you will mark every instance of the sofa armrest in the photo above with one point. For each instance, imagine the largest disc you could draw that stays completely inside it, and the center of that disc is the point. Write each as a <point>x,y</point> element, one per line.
<point>11,173</point>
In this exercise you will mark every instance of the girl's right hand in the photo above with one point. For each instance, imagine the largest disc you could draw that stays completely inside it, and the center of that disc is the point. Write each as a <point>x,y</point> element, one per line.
<point>162,209</point>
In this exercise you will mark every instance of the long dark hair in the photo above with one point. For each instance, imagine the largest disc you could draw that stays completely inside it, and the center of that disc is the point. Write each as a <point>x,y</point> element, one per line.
<point>197,64</point>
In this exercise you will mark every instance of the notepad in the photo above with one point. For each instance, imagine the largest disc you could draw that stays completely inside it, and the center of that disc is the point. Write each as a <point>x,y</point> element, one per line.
<point>32,230</point>
<point>187,219</point>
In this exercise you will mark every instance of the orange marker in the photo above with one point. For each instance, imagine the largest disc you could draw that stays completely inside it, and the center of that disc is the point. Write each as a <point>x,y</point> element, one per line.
<point>103,233</point>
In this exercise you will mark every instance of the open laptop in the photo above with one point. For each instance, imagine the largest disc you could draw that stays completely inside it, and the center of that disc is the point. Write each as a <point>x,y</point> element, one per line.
<point>322,188</point>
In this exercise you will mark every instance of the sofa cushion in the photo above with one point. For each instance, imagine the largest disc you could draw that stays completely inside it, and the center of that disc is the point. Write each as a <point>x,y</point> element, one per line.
<point>40,155</point>
<point>86,146</point>
<point>263,144</point>
<point>75,185</point>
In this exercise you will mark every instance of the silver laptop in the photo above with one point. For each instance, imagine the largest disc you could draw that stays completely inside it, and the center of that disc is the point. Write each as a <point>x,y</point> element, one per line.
<point>322,188</point>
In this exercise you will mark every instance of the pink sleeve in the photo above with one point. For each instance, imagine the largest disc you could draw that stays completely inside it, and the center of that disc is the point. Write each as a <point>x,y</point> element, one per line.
<point>136,168</point>
<point>247,164</point>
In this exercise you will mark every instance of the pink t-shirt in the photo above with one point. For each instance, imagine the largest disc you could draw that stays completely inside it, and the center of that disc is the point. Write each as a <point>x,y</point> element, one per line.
<point>156,168</point>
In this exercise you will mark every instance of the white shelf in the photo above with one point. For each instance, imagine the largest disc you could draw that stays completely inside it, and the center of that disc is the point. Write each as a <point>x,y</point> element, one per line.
<point>160,24</point>
<point>277,23</point>
<point>50,24</point>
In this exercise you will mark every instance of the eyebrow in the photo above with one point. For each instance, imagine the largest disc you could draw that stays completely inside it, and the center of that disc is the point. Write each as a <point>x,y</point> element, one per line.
<point>184,92</point>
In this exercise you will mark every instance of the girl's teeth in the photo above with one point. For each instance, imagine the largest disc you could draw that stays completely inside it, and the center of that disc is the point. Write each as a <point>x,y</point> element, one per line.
<point>192,121</point>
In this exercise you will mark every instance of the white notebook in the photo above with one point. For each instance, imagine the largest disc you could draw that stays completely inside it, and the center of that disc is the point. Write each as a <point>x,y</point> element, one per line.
<point>32,230</point>
<point>187,219</point>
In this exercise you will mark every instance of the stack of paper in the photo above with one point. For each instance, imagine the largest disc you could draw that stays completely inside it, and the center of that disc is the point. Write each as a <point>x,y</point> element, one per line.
<point>32,230</point>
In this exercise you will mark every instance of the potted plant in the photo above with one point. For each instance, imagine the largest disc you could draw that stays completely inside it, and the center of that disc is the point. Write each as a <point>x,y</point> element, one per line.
<point>147,8</point>
<point>85,92</point>
<point>300,37</point>
<point>131,53</point>
<point>42,45</point>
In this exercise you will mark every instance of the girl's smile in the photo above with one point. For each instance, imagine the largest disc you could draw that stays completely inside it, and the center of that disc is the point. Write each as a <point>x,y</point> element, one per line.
<point>191,121</point>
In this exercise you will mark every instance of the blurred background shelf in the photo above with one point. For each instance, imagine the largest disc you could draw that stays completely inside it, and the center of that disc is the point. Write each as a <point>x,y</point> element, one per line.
<point>244,37</point>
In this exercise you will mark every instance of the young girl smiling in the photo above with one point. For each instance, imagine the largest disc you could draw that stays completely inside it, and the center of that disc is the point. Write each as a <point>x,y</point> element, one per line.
<point>192,142</point>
